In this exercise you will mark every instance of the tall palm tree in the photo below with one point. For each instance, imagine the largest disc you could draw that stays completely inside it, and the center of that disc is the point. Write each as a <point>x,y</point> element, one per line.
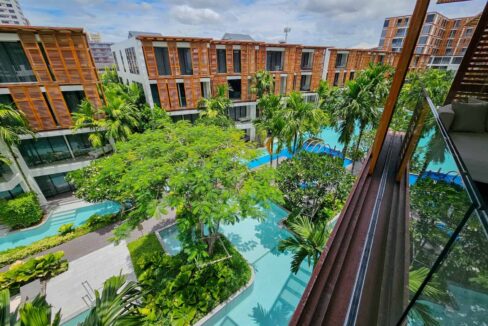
<point>307,242</point>
<point>301,118</point>
<point>13,124</point>
<point>271,121</point>
<point>33,313</point>
<point>118,304</point>
<point>262,83</point>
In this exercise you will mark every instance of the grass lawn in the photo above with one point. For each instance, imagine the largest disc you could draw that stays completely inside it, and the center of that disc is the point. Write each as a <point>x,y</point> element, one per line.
<point>141,248</point>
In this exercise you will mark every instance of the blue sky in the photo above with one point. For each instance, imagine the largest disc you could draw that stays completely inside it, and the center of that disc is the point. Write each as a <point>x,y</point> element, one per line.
<point>340,23</point>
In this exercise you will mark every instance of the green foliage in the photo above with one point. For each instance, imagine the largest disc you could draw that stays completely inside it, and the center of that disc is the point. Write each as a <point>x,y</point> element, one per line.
<point>142,248</point>
<point>94,223</point>
<point>214,110</point>
<point>109,76</point>
<point>262,83</point>
<point>180,292</point>
<point>204,166</point>
<point>43,267</point>
<point>118,304</point>
<point>21,211</point>
<point>32,313</point>
<point>12,124</point>
<point>314,185</point>
<point>66,228</point>
<point>307,243</point>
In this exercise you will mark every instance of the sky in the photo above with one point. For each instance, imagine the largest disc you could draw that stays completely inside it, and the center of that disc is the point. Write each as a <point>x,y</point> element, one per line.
<point>339,23</point>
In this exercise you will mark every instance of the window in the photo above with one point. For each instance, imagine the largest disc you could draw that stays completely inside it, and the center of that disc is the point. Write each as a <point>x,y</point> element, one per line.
<point>116,62</point>
<point>11,194</point>
<point>386,23</point>
<point>130,53</point>
<point>5,172</point>
<point>401,32</point>
<point>383,33</point>
<point>399,22</point>
<point>452,34</point>
<point>239,113</point>
<point>221,61</point>
<point>122,59</point>
<point>274,60</point>
<point>50,109</point>
<point>468,32</point>
<point>80,144</point>
<point>155,95</point>
<point>397,42</point>
<point>449,43</point>
<point>234,89</point>
<point>463,51</point>
<point>283,85</point>
<point>457,60</point>
<point>382,42</point>
<point>457,23</point>
<point>162,61</point>
<point>73,99</point>
<point>381,58</point>
<point>54,184</point>
<point>341,60</point>
<point>419,49</point>
<point>6,99</point>
<point>307,60</point>
<point>305,83</point>
<point>426,29</point>
<point>448,51</point>
<point>184,57</point>
<point>14,66</point>
<point>430,18</point>
<point>237,61</point>
<point>187,117</point>
<point>44,150</point>
<point>181,94</point>
<point>422,40</point>
<point>351,75</point>
<point>46,60</point>
<point>205,89</point>
<point>336,79</point>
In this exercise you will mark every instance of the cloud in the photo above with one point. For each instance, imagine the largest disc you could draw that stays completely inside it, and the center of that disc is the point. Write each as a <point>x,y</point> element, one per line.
<point>195,16</point>
<point>364,45</point>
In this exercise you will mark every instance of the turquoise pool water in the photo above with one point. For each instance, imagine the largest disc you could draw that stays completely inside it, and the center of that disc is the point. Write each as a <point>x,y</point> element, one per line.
<point>170,241</point>
<point>51,226</point>
<point>77,319</point>
<point>275,292</point>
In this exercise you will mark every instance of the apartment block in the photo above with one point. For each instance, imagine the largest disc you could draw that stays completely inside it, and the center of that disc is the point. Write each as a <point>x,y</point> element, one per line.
<point>344,64</point>
<point>444,39</point>
<point>11,13</point>
<point>102,55</point>
<point>176,72</point>
<point>45,73</point>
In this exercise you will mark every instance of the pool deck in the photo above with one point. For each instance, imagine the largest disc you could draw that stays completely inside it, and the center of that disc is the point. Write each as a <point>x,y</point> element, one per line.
<point>93,241</point>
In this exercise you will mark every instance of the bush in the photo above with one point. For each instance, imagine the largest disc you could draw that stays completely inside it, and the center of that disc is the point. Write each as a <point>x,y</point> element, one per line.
<point>43,267</point>
<point>20,212</point>
<point>66,228</point>
<point>143,248</point>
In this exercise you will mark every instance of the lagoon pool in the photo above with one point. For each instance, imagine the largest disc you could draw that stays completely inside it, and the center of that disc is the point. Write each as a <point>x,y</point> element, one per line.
<point>71,213</point>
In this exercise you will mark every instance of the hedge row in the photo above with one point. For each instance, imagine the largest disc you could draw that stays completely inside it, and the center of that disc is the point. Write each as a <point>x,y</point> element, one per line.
<point>20,212</point>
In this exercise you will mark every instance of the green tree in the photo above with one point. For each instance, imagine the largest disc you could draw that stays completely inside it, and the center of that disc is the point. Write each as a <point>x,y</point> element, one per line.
<point>303,119</point>
<point>307,242</point>
<point>4,160</point>
<point>109,76</point>
<point>262,83</point>
<point>271,121</point>
<point>13,124</point>
<point>203,166</point>
<point>214,110</point>
<point>118,304</point>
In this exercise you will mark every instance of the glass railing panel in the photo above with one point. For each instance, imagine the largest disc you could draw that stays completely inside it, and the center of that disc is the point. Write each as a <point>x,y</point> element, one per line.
<point>457,293</point>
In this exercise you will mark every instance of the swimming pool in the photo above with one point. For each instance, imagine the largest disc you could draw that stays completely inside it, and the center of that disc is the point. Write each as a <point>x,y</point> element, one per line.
<point>71,213</point>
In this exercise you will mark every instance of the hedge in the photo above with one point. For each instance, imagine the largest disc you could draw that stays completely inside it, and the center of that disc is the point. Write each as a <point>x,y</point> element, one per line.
<point>20,212</point>
<point>43,267</point>
<point>92,224</point>
<point>142,248</point>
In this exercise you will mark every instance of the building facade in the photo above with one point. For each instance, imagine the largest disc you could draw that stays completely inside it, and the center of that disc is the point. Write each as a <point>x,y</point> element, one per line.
<point>102,55</point>
<point>45,73</point>
<point>444,39</point>
<point>11,13</point>
<point>176,72</point>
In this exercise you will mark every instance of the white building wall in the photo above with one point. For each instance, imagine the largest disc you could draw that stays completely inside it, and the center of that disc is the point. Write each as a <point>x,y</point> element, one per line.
<point>11,13</point>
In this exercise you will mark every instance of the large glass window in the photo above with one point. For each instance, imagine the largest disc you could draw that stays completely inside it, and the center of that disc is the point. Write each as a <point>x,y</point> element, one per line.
<point>54,184</point>
<point>44,150</point>
<point>306,60</point>
<point>430,18</point>
<point>305,82</point>
<point>162,61</point>
<point>14,66</point>
<point>221,61</point>
<point>11,194</point>
<point>155,95</point>
<point>184,55</point>
<point>341,60</point>
<point>283,85</point>
<point>386,23</point>
<point>181,94</point>
<point>234,89</point>
<point>5,172</point>
<point>274,60</point>
<point>73,99</point>
<point>237,61</point>
<point>80,144</point>
<point>187,117</point>
<point>130,53</point>
<point>239,113</point>
<point>336,79</point>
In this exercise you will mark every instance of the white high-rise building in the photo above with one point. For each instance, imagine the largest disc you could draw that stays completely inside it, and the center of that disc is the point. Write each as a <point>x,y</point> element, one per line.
<point>11,13</point>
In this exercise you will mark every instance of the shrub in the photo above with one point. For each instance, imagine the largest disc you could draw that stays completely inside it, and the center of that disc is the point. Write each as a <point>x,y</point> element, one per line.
<point>20,212</point>
<point>43,267</point>
<point>66,228</point>
<point>142,249</point>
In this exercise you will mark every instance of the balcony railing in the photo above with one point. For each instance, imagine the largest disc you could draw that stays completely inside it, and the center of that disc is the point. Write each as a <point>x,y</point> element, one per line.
<point>448,274</point>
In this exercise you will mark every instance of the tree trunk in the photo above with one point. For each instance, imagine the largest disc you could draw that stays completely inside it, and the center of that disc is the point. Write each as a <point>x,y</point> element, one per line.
<point>344,151</point>
<point>17,165</point>
<point>357,148</point>
<point>295,143</point>
<point>271,154</point>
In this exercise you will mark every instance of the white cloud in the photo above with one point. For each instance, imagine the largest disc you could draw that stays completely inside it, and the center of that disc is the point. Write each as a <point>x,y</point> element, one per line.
<point>364,45</point>
<point>195,16</point>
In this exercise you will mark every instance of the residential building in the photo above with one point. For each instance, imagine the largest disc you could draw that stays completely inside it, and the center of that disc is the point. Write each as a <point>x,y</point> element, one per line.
<point>102,55</point>
<point>11,13</point>
<point>445,39</point>
<point>45,73</point>
<point>94,37</point>
<point>175,72</point>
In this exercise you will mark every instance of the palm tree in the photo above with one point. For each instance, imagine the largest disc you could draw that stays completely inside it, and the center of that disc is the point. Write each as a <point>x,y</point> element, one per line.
<point>271,121</point>
<point>118,304</point>
<point>308,241</point>
<point>12,124</point>
<point>34,313</point>
<point>216,105</point>
<point>301,118</point>
<point>262,83</point>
